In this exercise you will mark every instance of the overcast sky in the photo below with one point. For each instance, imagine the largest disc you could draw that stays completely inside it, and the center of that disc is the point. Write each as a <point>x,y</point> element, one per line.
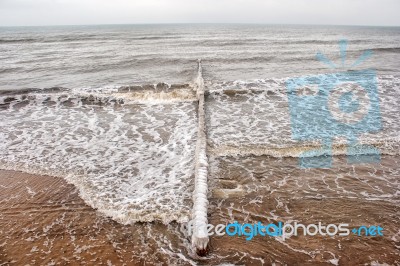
<point>76,12</point>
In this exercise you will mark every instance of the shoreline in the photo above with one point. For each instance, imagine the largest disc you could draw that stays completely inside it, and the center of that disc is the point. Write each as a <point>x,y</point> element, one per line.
<point>44,220</point>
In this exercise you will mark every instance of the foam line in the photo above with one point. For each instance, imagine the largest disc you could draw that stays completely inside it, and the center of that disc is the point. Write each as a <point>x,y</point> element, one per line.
<point>200,202</point>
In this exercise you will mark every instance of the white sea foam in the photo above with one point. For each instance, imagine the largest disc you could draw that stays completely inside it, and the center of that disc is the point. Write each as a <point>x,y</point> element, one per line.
<point>133,162</point>
<point>161,93</point>
<point>252,118</point>
<point>132,152</point>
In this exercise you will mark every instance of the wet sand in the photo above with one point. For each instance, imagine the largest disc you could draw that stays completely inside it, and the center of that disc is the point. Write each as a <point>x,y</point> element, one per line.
<point>44,221</point>
<point>267,189</point>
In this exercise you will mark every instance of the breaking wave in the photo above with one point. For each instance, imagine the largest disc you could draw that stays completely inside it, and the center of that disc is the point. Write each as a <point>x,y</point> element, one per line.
<point>252,118</point>
<point>130,150</point>
<point>132,162</point>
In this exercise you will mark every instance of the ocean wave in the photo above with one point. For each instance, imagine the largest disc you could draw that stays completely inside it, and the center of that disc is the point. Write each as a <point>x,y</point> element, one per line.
<point>133,163</point>
<point>387,49</point>
<point>130,149</point>
<point>80,38</point>
<point>390,146</point>
<point>279,84</point>
<point>253,117</point>
<point>151,94</point>
<point>18,40</point>
<point>155,38</point>
<point>235,42</point>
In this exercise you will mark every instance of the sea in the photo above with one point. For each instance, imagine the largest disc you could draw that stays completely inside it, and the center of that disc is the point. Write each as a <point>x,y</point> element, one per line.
<point>111,111</point>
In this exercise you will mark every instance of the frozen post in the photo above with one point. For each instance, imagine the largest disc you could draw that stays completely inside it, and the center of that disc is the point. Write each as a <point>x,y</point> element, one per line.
<point>200,202</point>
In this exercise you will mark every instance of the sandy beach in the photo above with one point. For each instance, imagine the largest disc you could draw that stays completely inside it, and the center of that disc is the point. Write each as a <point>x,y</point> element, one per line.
<point>246,192</point>
<point>43,220</point>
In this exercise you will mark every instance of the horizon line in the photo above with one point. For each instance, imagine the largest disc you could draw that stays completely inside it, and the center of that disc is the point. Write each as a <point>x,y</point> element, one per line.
<point>199,23</point>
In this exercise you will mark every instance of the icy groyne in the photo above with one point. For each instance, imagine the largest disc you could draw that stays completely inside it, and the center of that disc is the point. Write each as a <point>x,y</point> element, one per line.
<point>200,203</point>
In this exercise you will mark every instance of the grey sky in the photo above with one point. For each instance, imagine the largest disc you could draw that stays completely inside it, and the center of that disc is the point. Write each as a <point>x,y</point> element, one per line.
<point>66,12</point>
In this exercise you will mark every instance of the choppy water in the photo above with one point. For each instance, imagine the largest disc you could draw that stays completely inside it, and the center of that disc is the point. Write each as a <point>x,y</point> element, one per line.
<point>115,114</point>
<point>83,56</point>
